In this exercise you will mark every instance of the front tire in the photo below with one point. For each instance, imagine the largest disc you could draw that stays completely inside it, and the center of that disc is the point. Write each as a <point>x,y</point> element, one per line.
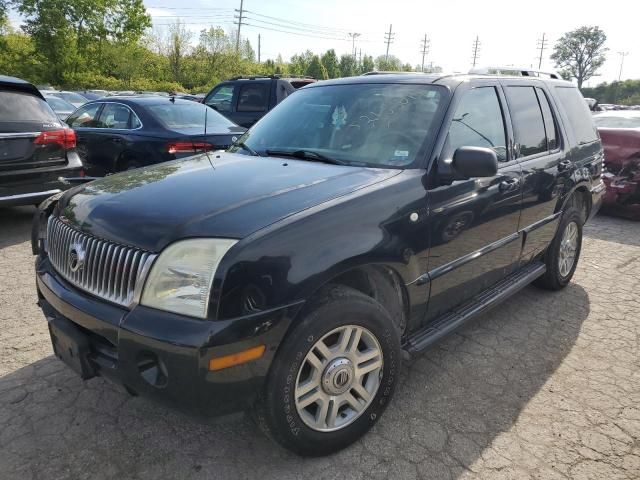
<point>563,254</point>
<point>333,376</point>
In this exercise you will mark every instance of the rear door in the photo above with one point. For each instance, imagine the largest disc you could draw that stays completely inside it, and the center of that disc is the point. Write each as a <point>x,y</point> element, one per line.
<point>252,102</point>
<point>544,161</point>
<point>117,124</point>
<point>25,122</point>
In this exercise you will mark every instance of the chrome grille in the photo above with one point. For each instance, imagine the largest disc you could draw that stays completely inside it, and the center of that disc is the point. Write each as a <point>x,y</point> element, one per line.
<point>111,271</point>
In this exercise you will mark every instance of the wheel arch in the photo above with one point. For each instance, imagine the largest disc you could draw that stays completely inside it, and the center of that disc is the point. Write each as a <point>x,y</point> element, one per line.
<point>580,195</point>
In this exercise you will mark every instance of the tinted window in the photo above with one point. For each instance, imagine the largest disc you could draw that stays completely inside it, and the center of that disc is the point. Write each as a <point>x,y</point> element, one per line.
<point>478,122</point>
<point>24,107</point>
<point>181,116</point>
<point>550,126</point>
<point>527,120</point>
<point>71,97</point>
<point>360,124</point>
<point>253,98</point>
<point>221,98</point>
<point>59,104</point>
<point>578,113</point>
<point>85,116</point>
<point>117,116</point>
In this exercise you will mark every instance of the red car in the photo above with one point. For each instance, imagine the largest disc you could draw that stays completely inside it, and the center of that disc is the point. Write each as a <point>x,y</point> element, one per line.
<point>620,134</point>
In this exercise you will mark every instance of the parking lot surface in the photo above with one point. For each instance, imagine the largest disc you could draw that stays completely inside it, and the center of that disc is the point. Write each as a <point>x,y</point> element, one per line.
<point>545,386</point>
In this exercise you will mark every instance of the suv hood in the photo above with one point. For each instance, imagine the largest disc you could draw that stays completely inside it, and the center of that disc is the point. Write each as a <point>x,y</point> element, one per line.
<point>222,195</point>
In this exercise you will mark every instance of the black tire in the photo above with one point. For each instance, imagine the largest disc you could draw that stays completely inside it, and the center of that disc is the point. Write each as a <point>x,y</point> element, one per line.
<point>276,412</point>
<point>553,278</point>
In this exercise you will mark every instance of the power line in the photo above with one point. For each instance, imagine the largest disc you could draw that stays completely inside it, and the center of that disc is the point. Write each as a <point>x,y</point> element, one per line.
<point>239,17</point>
<point>302,24</point>
<point>288,27</point>
<point>476,50</point>
<point>425,44</point>
<point>388,38</point>
<point>542,44</point>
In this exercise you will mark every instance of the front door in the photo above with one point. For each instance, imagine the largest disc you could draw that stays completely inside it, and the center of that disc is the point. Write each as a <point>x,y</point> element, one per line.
<point>473,222</point>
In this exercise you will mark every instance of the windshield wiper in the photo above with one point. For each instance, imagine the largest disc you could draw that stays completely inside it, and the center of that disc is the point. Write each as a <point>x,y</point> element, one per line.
<point>246,147</point>
<point>305,155</point>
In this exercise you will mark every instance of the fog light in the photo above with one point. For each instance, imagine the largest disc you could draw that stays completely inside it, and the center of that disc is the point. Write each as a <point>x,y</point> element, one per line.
<point>236,358</point>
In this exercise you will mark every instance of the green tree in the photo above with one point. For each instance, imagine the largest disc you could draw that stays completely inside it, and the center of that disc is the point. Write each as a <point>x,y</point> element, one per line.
<point>390,64</point>
<point>177,48</point>
<point>19,57</point>
<point>316,69</point>
<point>330,62</point>
<point>299,64</point>
<point>580,53</point>
<point>367,64</point>
<point>348,66</point>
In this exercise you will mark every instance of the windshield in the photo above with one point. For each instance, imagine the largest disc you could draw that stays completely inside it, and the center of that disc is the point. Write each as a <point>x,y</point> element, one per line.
<point>614,121</point>
<point>377,125</point>
<point>181,116</point>
<point>72,97</point>
<point>59,104</point>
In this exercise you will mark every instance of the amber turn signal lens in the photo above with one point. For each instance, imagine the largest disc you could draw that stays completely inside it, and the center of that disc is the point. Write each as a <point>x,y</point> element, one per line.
<point>236,358</point>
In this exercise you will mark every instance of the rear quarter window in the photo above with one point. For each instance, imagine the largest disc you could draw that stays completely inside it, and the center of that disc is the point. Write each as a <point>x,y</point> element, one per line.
<point>576,109</point>
<point>24,107</point>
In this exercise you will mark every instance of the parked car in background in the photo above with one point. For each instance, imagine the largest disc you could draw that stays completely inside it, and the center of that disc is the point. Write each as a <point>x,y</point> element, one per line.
<point>62,108</point>
<point>291,274</point>
<point>245,100</point>
<point>620,134</point>
<point>89,95</point>
<point>38,156</point>
<point>73,98</point>
<point>123,133</point>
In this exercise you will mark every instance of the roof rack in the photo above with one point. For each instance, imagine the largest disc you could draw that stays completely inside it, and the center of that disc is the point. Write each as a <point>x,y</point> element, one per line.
<point>513,71</point>
<point>276,76</point>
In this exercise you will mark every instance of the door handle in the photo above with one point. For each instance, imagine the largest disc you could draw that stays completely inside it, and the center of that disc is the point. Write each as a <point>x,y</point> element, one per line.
<point>509,185</point>
<point>564,165</point>
<point>116,140</point>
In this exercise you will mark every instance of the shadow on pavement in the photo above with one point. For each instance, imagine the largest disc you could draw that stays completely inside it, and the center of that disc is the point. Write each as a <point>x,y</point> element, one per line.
<point>15,225</point>
<point>450,406</point>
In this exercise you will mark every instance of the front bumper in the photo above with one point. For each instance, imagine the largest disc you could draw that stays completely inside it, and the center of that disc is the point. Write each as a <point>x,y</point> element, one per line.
<point>166,356</point>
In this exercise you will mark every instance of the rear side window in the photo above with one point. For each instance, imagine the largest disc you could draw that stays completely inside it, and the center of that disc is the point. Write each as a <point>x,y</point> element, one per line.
<point>24,107</point>
<point>220,99</point>
<point>578,113</point>
<point>550,125</point>
<point>478,122</point>
<point>253,98</point>
<point>118,116</point>
<point>528,124</point>
<point>190,115</point>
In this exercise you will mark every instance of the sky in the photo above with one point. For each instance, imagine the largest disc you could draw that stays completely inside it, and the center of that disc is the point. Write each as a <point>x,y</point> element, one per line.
<point>508,31</point>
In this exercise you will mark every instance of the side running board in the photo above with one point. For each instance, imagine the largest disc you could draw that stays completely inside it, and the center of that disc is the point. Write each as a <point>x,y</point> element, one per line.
<point>450,321</point>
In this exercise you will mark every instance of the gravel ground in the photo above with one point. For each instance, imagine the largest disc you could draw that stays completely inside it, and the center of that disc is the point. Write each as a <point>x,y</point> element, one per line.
<point>546,386</point>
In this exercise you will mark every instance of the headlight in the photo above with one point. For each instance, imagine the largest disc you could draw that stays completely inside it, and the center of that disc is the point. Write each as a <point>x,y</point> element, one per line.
<point>181,277</point>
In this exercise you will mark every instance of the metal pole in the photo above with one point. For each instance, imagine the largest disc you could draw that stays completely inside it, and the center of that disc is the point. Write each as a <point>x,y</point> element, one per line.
<point>258,48</point>
<point>386,57</point>
<point>622,55</point>
<point>542,46</point>
<point>239,25</point>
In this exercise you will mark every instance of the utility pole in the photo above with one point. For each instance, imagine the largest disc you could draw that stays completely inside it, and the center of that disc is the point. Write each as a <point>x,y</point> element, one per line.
<point>258,48</point>
<point>476,50</point>
<point>240,18</point>
<point>360,60</point>
<point>622,55</point>
<point>353,43</point>
<point>542,44</point>
<point>388,38</point>
<point>425,49</point>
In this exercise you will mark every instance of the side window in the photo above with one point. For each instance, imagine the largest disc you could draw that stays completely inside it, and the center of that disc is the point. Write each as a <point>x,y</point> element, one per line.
<point>550,125</point>
<point>253,98</point>
<point>85,117</point>
<point>478,122</point>
<point>579,115</point>
<point>220,99</point>
<point>528,125</point>
<point>114,115</point>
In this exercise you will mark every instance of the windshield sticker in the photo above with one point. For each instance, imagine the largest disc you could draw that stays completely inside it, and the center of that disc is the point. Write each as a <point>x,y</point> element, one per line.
<point>401,153</point>
<point>339,117</point>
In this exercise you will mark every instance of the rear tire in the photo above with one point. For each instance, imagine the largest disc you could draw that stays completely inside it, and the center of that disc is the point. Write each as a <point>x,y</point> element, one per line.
<point>346,390</point>
<point>563,254</point>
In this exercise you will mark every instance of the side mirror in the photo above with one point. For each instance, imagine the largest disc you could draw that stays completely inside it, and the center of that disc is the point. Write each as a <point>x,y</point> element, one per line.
<point>475,162</point>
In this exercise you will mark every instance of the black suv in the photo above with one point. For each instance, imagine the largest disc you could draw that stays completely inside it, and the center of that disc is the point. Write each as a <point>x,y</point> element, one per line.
<point>245,100</point>
<point>352,227</point>
<point>38,155</point>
